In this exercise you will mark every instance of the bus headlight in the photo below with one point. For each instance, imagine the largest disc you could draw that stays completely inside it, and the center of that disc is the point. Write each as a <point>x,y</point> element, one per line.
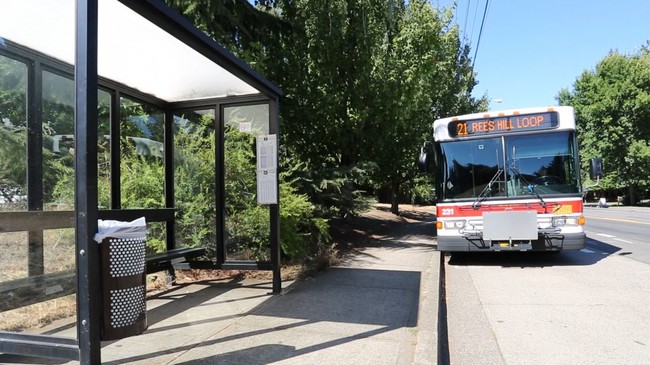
<point>568,221</point>
<point>454,224</point>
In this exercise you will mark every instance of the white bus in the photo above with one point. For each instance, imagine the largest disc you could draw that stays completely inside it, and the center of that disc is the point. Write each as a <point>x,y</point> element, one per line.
<point>508,181</point>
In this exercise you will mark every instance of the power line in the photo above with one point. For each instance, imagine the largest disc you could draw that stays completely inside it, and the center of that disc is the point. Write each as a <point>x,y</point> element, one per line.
<point>480,33</point>
<point>465,37</point>
<point>466,16</point>
<point>471,33</point>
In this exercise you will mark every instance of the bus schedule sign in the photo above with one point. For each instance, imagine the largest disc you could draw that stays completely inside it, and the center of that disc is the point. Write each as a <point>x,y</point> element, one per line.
<point>505,124</point>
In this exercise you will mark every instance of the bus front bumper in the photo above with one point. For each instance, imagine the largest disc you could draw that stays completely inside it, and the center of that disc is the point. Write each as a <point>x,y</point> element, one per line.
<point>555,242</point>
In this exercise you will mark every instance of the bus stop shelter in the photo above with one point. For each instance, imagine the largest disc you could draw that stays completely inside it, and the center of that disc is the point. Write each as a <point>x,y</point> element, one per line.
<point>90,82</point>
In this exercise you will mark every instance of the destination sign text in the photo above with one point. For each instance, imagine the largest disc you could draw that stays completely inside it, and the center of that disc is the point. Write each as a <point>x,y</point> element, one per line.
<point>499,125</point>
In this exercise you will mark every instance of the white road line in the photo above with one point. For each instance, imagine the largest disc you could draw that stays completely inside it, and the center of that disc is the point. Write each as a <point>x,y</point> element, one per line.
<point>622,240</point>
<point>605,235</point>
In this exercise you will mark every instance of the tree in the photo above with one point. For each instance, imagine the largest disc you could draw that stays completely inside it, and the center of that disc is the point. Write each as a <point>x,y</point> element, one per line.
<point>238,25</point>
<point>367,79</point>
<point>612,105</point>
<point>329,53</point>
<point>420,72</point>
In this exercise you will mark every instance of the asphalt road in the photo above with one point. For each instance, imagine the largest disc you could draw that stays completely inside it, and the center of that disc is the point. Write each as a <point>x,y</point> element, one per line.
<point>620,230</point>
<point>577,307</point>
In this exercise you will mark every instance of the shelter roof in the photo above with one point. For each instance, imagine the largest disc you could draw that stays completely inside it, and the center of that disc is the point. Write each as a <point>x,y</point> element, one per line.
<point>171,59</point>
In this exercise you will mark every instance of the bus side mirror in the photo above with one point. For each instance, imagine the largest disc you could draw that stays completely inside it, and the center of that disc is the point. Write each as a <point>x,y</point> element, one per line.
<point>423,159</point>
<point>596,168</point>
<point>423,162</point>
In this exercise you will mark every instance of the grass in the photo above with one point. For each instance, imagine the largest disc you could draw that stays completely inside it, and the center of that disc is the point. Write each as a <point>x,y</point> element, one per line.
<point>35,316</point>
<point>58,255</point>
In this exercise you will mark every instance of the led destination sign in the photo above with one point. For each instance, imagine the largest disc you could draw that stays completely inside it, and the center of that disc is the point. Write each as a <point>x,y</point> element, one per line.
<point>499,125</point>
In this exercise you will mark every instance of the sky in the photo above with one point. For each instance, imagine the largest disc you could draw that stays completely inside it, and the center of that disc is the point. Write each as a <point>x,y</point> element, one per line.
<point>531,49</point>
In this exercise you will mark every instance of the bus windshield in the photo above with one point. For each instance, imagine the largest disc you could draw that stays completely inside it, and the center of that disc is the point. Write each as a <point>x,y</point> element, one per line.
<point>510,166</point>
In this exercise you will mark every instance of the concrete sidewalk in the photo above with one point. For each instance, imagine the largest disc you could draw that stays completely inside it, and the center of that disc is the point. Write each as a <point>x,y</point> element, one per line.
<point>377,306</point>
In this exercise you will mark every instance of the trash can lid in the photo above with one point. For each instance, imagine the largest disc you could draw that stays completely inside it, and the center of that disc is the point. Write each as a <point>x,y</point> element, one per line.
<point>120,229</point>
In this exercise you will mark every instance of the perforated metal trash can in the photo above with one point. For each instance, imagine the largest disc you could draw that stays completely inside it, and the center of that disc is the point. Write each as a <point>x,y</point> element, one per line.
<point>123,287</point>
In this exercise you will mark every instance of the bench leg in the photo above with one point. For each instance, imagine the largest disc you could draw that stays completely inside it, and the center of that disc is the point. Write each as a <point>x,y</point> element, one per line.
<point>171,276</point>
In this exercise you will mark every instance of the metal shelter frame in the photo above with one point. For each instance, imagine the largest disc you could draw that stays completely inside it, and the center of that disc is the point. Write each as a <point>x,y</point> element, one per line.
<point>86,348</point>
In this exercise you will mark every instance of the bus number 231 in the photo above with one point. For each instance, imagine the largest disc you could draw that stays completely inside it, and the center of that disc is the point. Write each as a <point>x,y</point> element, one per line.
<point>447,211</point>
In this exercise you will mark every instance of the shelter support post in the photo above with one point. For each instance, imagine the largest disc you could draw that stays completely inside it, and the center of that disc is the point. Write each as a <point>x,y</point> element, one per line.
<point>88,279</point>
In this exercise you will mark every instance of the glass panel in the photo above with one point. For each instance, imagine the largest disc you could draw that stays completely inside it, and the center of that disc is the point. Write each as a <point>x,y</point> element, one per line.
<point>247,223</point>
<point>104,149</point>
<point>37,278</point>
<point>156,233</point>
<point>250,119</point>
<point>27,309</point>
<point>194,179</point>
<point>470,165</point>
<point>58,141</point>
<point>142,164</point>
<point>546,161</point>
<point>13,135</point>
<point>13,247</point>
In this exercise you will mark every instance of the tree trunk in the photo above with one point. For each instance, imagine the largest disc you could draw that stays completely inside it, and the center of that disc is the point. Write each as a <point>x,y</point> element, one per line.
<point>394,199</point>
<point>630,191</point>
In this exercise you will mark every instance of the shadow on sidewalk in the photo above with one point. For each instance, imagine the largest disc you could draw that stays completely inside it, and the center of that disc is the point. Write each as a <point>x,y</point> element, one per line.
<point>337,307</point>
<point>591,255</point>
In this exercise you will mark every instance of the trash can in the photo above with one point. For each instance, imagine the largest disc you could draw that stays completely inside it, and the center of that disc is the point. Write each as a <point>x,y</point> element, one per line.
<point>123,273</point>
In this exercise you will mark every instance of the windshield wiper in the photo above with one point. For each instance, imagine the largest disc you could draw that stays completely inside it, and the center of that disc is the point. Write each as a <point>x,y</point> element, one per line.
<point>530,186</point>
<point>481,197</point>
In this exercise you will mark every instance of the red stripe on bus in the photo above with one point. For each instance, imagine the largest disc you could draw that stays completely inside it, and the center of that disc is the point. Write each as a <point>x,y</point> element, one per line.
<point>552,207</point>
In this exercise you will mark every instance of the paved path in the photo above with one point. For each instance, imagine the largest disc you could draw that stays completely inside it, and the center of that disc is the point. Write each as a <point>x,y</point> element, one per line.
<point>377,306</point>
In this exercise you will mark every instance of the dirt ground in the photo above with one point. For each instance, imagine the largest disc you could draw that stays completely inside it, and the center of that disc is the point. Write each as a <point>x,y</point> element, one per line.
<point>377,223</point>
<point>348,235</point>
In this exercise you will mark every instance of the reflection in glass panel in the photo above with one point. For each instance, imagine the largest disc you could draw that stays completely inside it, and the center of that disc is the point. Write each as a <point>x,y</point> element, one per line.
<point>546,161</point>
<point>534,164</point>
<point>142,168</point>
<point>247,223</point>
<point>251,119</point>
<point>194,185</point>
<point>104,149</point>
<point>13,135</point>
<point>45,278</point>
<point>470,166</point>
<point>58,141</point>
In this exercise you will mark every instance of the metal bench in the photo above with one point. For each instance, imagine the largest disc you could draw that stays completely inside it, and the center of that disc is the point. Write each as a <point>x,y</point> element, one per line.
<point>165,260</point>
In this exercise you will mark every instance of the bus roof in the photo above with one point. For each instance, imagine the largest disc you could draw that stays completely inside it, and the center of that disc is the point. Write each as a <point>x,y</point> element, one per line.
<point>441,132</point>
